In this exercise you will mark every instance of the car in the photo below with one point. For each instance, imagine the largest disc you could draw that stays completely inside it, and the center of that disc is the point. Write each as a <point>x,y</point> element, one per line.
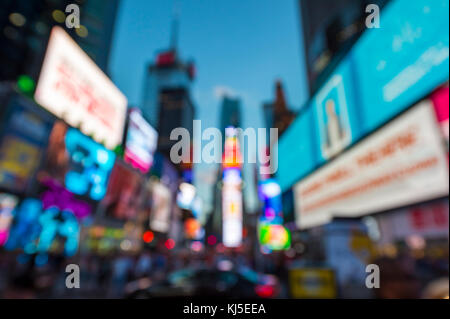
<point>211,283</point>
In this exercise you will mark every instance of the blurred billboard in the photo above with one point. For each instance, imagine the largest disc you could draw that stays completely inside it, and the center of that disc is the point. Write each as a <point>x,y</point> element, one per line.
<point>387,71</point>
<point>161,207</point>
<point>232,213</point>
<point>402,163</point>
<point>141,142</point>
<point>23,139</point>
<point>123,197</point>
<point>73,87</point>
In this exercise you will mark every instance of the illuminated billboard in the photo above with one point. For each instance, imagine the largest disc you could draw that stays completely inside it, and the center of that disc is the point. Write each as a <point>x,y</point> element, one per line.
<point>23,137</point>
<point>232,157</point>
<point>36,228</point>
<point>55,195</point>
<point>186,196</point>
<point>386,71</point>
<point>430,220</point>
<point>440,99</point>
<point>123,197</point>
<point>402,163</point>
<point>232,209</point>
<point>161,208</point>
<point>404,60</point>
<point>73,87</point>
<point>270,195</point>
<point>7,204</point>
<point>332,115</point>
<point>274,237</point>
<point>17,162</point>
<point>77,162</point>
<point>141,142</point>
<point>90,165</point>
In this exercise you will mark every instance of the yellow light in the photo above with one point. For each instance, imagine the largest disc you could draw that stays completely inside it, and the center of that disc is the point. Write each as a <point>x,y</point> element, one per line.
<point>17,19</point>
<point>82,31</point>
<point>59,16</point>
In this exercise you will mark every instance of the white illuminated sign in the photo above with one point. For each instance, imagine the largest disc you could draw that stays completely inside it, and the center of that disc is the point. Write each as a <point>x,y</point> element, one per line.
<point>141,142</point>
<point>73,87</point>
<point>161,208</point>
<point>401,164</point>
<point>231,213</point>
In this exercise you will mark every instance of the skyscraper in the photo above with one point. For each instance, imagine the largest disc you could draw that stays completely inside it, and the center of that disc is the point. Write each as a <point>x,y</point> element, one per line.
<point>166,73</point>
<point>98,17</point>
<point>25,28</point>
<point>167,102</point>
<point>230,113</point>
<point>176,110</point>
<point>329,29</point>
<point>276,113</point>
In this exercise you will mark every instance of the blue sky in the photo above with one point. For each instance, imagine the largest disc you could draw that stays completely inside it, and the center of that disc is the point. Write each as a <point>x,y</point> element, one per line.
<point>239,46</point>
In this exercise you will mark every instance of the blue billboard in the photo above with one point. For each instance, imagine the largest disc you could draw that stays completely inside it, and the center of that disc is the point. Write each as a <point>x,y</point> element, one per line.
<point>23,137</point>
<point>91,165</point>
<point>403,60</point>
<point>337,117</point>
<point>387,71</point>
<point>296,150</point>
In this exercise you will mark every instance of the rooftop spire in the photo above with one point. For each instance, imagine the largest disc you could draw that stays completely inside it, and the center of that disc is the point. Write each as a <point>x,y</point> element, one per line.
<point>175,25</point>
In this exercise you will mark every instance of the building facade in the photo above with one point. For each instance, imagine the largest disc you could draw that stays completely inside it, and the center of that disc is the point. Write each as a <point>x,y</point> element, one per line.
<point>25,28</point>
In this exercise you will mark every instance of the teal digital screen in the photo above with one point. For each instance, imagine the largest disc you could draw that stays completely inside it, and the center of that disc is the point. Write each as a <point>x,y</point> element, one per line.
<point>387,71</point>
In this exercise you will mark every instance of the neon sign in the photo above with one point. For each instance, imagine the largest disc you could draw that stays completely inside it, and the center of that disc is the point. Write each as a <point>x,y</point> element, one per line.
<point>7,205</point>
<point>140,143</point>
<point>274,237</point>
<point>35,228</point>
<point>270,194</point>
<point>92,164</point>
<point>59,197</point>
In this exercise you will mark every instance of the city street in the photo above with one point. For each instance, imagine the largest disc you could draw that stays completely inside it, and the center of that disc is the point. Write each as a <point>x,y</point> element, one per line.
<point>227,149</point>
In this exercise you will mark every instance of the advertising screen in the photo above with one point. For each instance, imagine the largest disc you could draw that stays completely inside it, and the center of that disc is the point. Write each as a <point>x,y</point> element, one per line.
<point>23,138</point>
<point>73,88</point>
<point>440,99</point>
<point>335,114</point>
<point>402,61</point>
<point>387,71</point>
<point>186,196</point>
<point>298,150</point>
<point>231,209</point>
<point>313,283</point>
<point>36,229</point>
<point>141,142</point>
<point>402,163</point>
<point>55,195</point>
<point>77,162</point>
<point>161,208</point>
<point>123,198</point>
<point>429,220</point>
<point>90,165</point>
<point>274,237</point>
<point>232,157</point>
<point>17,162</point>
<point>7,204</point>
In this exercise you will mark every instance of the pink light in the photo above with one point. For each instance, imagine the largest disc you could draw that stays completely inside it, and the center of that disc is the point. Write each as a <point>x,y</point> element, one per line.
<point>170,244</point>
<point>212,240</point>
<point>264,291</point>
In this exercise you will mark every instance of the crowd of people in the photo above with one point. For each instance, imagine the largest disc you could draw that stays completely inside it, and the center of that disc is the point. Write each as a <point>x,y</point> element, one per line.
<point>101,275</point>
